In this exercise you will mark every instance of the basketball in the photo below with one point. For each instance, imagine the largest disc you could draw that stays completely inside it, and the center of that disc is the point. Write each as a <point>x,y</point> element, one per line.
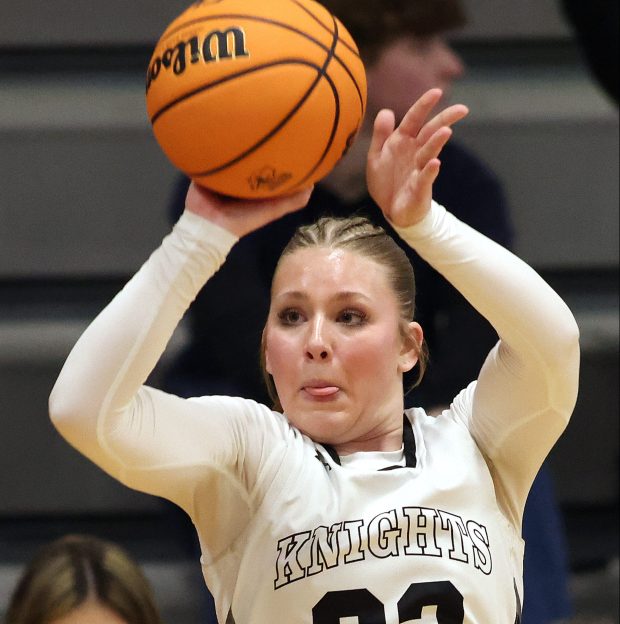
<point>255,99</point>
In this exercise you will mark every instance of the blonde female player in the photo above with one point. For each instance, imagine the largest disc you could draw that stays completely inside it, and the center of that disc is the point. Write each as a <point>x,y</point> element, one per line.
<point>339,505</point>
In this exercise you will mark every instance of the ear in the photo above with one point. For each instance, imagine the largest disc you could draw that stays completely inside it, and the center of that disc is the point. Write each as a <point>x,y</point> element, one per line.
<point>412,344</point>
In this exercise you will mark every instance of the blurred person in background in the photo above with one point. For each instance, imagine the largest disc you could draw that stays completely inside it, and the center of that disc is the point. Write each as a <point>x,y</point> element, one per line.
<point>79,579</point>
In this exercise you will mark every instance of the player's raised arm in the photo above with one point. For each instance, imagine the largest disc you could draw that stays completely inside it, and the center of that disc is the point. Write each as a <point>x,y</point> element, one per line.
<point>527,388</point>
<point>104,373</point>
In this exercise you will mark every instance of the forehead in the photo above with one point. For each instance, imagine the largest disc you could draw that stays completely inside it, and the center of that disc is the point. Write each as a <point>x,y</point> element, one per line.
<point>324,269</point>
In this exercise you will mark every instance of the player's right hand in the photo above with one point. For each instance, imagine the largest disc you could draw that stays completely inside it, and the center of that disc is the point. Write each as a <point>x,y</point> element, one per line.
<point>403,162</point>
<point>242,216</point>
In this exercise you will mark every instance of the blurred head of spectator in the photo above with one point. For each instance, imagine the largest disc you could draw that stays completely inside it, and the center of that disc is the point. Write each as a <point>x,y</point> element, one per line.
<point>404,45</point>
<point>78,579</point>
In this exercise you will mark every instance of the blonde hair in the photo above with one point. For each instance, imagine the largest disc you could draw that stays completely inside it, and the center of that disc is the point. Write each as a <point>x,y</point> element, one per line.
<point>361,236</point>
<point>76,568</point>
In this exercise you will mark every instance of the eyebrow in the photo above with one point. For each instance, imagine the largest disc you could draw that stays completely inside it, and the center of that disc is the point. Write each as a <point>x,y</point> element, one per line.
<point>340,296</point>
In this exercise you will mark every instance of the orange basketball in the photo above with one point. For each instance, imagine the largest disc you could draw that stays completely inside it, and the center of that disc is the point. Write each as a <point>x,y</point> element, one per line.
<point>255,99</point>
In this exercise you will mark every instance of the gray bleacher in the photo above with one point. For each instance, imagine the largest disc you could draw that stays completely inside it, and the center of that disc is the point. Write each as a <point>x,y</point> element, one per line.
<point>84,189</point>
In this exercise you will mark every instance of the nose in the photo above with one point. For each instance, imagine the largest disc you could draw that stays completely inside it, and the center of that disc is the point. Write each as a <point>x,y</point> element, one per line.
<point>453,66</point>
<point>317,343</point>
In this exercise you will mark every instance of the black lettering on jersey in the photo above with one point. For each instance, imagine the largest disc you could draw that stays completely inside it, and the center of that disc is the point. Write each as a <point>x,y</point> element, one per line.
<point>482,551</point>
<point>410,532</point>
<point>366,608</point>
<point>440,594</point>
<point>383,534</point>
<point>421,531</point>
<point>352,529</point>
<point>349,603</point>
<point>324,548</point>
<point>456,527</point>
<point>288,565</point>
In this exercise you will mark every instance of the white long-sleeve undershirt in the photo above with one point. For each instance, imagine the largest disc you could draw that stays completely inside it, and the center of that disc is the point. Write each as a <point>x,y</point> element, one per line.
<point>161,444</point>
<point>527,387</point>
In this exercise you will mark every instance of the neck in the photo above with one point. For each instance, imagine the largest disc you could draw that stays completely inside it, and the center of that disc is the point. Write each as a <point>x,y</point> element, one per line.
<point>387,437</point>
<point>368,446</point>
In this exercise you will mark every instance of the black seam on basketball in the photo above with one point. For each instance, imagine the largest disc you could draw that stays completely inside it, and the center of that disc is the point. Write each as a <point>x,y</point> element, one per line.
<point>343,43</point>
<point>281,25</point>
<point>331,136</point>
<point>336,115</point>
<point>322,73</point>
<point>277,128</point>
<point>229,77</point>
<point>325,27</point>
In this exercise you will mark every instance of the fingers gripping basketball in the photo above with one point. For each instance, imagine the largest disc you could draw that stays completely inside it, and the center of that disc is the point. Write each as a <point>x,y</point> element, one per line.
<point>255,99</point>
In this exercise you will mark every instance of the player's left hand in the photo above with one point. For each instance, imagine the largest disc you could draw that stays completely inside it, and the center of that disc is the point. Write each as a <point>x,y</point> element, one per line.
<point>403,162</point>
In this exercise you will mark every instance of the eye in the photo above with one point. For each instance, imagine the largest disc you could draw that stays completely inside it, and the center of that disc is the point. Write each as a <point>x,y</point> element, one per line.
<point>290,316</point>
<point>352,317</point>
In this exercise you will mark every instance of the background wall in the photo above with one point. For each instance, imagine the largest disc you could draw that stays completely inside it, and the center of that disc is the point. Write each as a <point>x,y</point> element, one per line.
<point>72,119</point>
<point>84,188</point>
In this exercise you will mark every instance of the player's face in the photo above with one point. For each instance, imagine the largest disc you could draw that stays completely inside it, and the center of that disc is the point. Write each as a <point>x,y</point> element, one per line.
<point>335,350</point>
<point>407,68</point>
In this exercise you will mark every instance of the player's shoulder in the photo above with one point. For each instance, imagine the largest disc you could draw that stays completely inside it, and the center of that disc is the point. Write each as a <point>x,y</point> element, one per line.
<point>246,412</point>
<point>458,411</point>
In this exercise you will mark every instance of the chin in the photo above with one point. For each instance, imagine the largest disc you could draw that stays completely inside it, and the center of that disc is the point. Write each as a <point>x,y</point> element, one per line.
<point>324,427</point>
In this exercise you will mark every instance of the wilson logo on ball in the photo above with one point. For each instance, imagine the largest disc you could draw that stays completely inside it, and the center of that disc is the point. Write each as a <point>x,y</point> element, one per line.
<point>216,45</point>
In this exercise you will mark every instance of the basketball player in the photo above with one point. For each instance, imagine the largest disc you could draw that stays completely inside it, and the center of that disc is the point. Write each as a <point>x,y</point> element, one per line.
<point>406,50</point>
<point>342,504</point>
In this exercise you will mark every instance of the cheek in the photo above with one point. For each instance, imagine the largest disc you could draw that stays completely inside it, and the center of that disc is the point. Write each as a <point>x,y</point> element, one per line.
<point>278,353</point>
<point>373,356</point>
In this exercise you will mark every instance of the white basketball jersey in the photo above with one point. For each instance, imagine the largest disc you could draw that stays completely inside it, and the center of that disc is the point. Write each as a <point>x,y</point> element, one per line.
<point>424,542</point>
